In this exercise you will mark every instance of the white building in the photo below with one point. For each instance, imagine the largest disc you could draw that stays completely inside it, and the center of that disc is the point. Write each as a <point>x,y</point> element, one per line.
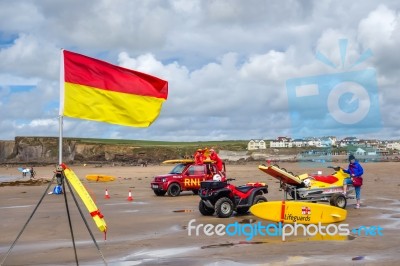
<point>281,142</point>
<point>299,143</point>
<point>256,144</point>
<point>393,145</point>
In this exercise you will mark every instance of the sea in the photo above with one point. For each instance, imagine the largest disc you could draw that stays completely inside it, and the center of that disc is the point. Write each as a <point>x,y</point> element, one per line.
<point>10,178</point>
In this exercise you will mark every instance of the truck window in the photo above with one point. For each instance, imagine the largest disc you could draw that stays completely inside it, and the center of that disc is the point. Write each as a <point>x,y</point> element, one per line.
<point>178,169</point>
<point>196,170</point>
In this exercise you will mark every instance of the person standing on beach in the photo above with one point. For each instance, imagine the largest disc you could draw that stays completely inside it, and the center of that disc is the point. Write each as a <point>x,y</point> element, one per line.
<point>32,172</point>
<point>356,171</point>
<point>59,175</point>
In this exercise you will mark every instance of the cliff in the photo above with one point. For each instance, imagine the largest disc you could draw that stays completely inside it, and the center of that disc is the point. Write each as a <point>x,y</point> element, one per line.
<point>44,150</point>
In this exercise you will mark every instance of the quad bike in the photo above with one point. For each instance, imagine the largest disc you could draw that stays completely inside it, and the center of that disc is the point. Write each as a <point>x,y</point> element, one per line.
<point>223,198</point>
<point>315,187</point>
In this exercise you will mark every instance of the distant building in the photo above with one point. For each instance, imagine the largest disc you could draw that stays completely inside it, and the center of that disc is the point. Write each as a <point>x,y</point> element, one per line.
<point>256,144</point>
<point>281,142</point>
<point>393,145</point>
<point>327,142</point>
<point>299,143</point>
<point>367,145</point>
<point>349,141</point>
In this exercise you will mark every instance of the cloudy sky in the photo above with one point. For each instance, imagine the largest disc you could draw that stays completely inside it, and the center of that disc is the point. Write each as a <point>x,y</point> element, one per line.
<point>237,70</point>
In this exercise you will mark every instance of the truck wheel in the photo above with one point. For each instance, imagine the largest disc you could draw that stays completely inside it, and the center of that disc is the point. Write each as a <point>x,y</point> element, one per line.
<point>159,193</point>
<point>224,207</point>
<point>338,200</point>
<point>259,199</point>
<point>195,191</point>
<point>174,190</point>
<point>206,211</point>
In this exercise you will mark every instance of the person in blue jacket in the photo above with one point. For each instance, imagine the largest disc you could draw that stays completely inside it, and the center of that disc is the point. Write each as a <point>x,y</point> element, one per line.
<point>355,170</point>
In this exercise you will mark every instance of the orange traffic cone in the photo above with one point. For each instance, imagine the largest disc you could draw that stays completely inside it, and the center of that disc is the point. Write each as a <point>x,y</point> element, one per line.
<point>106,195</point>
<point>130,198</point>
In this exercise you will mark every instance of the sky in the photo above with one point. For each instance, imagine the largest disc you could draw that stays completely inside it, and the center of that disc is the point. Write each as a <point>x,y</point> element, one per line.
<point>236,70</point>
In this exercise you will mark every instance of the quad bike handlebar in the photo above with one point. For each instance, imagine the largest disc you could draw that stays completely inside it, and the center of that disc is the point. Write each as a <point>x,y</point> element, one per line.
<point>230,179</point>
<point>336,168</point>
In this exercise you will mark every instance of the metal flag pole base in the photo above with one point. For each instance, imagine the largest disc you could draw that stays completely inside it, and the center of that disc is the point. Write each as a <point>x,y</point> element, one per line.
<point>69,221</point>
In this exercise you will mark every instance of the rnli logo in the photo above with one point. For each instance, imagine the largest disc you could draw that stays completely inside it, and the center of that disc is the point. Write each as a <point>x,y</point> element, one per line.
<point>305,211</point>
<point>192,182</point>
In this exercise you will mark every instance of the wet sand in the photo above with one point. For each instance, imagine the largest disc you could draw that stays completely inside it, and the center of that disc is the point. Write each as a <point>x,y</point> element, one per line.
<point>153,230</point>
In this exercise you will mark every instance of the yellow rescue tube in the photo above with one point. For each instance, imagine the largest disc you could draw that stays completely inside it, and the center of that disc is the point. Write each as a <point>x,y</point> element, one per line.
<point>86,198</point>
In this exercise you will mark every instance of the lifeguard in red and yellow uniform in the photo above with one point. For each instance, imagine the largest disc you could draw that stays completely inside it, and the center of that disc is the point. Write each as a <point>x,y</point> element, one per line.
<point>214,156</point>
<point>199,156</point>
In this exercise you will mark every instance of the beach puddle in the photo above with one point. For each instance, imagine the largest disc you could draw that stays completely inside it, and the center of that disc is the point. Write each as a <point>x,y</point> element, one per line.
<point>393,206</point>
<point>4,178</point>
<point>248,221</point>
<point>20,206</point>
<point>358,258</point>
<point>131,211</point>
<point>159,253</point>
<point>126,203</point>
<point>224,245</point>
<point>183,211</point>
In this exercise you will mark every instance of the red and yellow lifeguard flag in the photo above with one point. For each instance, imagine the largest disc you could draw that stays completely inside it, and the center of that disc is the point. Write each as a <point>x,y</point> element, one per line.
<point>96,90</point>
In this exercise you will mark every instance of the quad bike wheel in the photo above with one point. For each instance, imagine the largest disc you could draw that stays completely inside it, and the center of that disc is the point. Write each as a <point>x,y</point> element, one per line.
<point>174,190</point>
<point>338,200</point>
<point>206,211</point>
<point>259,199</point>
<point>224,207</point>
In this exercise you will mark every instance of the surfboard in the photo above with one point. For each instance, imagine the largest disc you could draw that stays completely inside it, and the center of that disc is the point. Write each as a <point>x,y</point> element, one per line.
<point>100,178</point>
<point>175,161</point>
<point>86,198</point>
<point>298,212</point>
<point>280,174</point>
<point>178,161</point>
<point>24,170</point>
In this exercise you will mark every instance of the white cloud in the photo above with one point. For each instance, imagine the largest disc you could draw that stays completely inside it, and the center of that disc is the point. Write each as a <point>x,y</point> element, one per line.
<point>226,62</point>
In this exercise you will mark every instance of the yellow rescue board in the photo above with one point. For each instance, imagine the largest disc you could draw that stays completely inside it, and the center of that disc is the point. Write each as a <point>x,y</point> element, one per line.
<point>298,212</point>
<point>86,198</point>
<point>100,178</point>
<point>174,161</point>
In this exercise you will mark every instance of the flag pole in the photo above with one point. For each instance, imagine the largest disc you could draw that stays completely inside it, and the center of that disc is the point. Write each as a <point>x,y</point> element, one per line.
<point>61,110</point>
<point>60,121</point>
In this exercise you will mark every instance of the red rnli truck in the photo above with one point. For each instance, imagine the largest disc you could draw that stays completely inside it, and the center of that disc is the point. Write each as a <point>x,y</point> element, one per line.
<point>186,175</point>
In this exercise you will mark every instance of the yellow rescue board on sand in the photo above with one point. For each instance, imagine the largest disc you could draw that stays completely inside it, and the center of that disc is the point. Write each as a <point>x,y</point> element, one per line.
<point>298,212</point>
<point>174,161</point>
<point>86,198</point>
<point>100,178</point>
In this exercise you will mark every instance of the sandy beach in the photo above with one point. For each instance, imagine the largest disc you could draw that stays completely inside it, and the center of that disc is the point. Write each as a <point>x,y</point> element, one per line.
<point>153,230</point>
